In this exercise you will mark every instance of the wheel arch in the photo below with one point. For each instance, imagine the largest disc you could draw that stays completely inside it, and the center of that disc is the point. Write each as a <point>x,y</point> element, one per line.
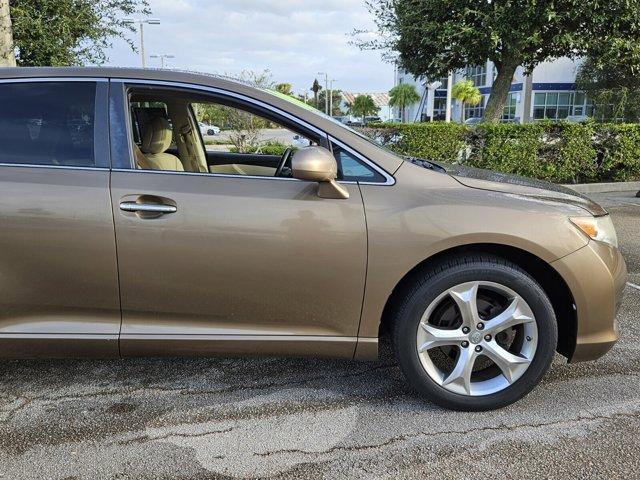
<point>549,279</point>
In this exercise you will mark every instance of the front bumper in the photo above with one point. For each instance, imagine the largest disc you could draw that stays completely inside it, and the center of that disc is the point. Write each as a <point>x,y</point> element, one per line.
<point>596,275</point>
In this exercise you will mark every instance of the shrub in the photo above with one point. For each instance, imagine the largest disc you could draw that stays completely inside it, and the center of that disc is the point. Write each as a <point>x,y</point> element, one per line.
<point>266,148</point>
<point>619,152</point>
<point>437,141</point>
<point>559,152</point>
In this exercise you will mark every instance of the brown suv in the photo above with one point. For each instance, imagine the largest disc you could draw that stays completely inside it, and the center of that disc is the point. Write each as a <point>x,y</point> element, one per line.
<point>126,233</point>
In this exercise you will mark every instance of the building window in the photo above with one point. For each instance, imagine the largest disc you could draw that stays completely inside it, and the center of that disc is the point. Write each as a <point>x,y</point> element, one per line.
<point>509,112</point>
<point>478,75</point>
<point>439,108</point>
<point>559,105</point>
<point>475,111</point>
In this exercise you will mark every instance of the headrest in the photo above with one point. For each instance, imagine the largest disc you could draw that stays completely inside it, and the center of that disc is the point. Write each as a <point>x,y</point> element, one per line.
<point>155,135</point>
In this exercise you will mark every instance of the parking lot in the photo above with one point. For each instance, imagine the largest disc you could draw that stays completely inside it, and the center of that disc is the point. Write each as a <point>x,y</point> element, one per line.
<point>310,418</point>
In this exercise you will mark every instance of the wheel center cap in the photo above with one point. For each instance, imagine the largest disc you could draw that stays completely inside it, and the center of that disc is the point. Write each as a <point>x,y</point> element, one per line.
<point>475,337</point>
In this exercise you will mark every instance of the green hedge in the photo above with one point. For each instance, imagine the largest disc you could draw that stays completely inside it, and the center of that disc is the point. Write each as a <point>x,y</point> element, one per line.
<point>558,152</point>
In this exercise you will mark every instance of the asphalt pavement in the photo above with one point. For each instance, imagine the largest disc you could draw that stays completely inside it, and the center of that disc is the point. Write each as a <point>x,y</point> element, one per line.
<point>311,418</point>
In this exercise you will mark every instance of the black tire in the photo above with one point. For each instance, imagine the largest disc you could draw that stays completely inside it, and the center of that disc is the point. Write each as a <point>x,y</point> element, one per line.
<point>426,287</point>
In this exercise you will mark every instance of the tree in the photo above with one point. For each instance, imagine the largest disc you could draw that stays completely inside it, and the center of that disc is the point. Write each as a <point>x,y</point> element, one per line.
<point>7,58</point>
<point>610,77</point>
<point>402,96</point>
<point>336,100</point>
<point>245,127</point>
<point>315,88</point>
<point>362,106</point>
<point>433,37</point>
<point>284,88</point>
<point>467,93</point>
<point>67,32</point>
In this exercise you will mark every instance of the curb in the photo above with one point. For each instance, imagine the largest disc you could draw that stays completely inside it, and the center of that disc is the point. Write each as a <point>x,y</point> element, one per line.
<point>604,187</point>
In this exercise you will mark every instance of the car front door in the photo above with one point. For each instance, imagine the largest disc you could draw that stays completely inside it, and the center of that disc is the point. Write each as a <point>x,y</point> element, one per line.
<point>58,272</point>
<point>232,263</point>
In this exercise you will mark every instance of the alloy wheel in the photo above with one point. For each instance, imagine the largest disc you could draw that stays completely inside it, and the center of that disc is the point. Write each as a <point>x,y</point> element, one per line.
<point>477,338</point>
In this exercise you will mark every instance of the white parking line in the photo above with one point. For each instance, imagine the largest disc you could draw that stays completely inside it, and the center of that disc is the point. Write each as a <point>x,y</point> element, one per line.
<point>633,285</point>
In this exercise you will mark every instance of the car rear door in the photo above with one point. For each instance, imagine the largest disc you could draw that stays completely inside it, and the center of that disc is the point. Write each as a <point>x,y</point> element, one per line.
<point>58,273</point>
<point>233,264</point>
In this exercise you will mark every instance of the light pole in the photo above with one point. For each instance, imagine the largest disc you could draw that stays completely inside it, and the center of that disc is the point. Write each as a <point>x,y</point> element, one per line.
<point>162,58</point>
<point>447,115</point>
<point>141,22</point>
<point>331,97</point>
<point>326,88</point>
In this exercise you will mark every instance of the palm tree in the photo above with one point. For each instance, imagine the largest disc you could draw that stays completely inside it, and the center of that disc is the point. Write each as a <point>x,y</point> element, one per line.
<point>402,96</point>
<point>362,106</point>
<point>315,88</point>
<point>467,93</point>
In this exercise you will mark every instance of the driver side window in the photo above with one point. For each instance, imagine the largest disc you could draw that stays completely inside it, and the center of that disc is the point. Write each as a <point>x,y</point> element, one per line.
<point>238,142</point>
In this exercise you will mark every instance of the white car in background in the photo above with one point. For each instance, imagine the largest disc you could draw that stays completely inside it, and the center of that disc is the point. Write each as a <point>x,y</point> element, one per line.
<point>208,129</point>
<point>300,142</point>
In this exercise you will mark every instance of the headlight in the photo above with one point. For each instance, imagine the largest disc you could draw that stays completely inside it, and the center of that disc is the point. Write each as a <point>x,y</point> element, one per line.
<point>600,229</point>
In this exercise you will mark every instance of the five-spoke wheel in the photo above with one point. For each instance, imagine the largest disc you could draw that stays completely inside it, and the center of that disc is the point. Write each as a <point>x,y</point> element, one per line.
<point>476,335</point>
<point>467,348</point>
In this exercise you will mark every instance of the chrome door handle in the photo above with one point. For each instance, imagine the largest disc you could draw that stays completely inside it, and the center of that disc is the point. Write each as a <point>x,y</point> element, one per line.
<point>147,207</point>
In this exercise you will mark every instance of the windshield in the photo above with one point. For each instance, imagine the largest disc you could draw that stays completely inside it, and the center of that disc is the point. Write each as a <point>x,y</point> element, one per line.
<point>306,106</point>
<point>417,161</point>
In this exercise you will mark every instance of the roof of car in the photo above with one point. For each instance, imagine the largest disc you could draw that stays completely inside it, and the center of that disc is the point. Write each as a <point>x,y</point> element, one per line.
<point>118,72</point>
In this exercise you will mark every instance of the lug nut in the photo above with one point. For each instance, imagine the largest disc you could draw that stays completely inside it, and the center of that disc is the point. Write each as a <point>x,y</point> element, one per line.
<point>480,326</point>
<point>487,337</point>
<point>464,344</point>
<point>478,348</point>
<point>465,330</point>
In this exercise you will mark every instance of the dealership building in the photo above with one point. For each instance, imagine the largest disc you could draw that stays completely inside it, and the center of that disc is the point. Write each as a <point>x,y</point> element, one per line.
<point>548,93</point>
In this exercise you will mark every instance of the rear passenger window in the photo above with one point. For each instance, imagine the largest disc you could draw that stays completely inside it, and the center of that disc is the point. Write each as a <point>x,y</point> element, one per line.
<point>47,123</point>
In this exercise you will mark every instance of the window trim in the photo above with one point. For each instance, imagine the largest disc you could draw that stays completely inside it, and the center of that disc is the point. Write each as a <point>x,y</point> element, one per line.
<point>101,122</point>
<point>124,82</point>
<point>389,180</point>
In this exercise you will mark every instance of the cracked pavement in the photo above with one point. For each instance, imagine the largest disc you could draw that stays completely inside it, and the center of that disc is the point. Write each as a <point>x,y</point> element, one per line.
<point>318,418</point>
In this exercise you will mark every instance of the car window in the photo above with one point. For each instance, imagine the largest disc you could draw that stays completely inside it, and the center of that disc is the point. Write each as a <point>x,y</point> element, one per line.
<point>351,168</point>
<point>47,123</point>
<point>238,142</point>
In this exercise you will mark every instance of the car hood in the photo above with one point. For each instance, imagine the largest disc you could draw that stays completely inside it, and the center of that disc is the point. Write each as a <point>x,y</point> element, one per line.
<point>513,184</point>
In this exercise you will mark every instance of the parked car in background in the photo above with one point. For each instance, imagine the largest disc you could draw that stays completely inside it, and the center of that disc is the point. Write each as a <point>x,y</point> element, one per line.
<point>300,142</point>
<point>577,118</point>
<point>123,236</point>
<point>473,121</point>
<point>371,119</point>
<point>208,129</point>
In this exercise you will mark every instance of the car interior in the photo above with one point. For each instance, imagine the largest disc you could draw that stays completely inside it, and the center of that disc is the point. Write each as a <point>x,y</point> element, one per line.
<point>166,136</point>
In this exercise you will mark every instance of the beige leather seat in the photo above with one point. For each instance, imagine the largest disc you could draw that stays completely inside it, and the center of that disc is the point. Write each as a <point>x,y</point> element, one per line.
<point>155,138</point>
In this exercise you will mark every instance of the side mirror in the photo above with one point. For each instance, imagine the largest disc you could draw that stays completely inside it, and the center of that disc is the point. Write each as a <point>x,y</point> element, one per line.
<point>316,164</point>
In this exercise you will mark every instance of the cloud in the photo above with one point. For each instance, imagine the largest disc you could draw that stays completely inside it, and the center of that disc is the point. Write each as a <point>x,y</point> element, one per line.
<point>294,39</point>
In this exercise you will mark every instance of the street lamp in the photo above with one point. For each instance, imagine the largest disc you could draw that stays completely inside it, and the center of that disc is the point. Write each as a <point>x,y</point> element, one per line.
<point>331,97</point>
<point>326,88</point>
<point>141,22</point>
<point>162,58</point>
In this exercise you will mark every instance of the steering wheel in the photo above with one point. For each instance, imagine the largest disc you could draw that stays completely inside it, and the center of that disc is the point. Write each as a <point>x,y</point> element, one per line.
<point>286,156</point>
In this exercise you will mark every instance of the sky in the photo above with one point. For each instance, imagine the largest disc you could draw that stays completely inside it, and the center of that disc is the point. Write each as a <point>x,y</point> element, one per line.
<point>293,39</point>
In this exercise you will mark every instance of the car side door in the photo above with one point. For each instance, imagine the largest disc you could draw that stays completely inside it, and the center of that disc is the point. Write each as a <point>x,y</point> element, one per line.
<point>58,273</point>
<point>232,263</point>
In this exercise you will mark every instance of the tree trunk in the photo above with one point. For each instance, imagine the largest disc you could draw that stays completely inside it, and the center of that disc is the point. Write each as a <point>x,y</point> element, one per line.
<point>499,92</point>
<point>462,112</point>
<point>7,58</point>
